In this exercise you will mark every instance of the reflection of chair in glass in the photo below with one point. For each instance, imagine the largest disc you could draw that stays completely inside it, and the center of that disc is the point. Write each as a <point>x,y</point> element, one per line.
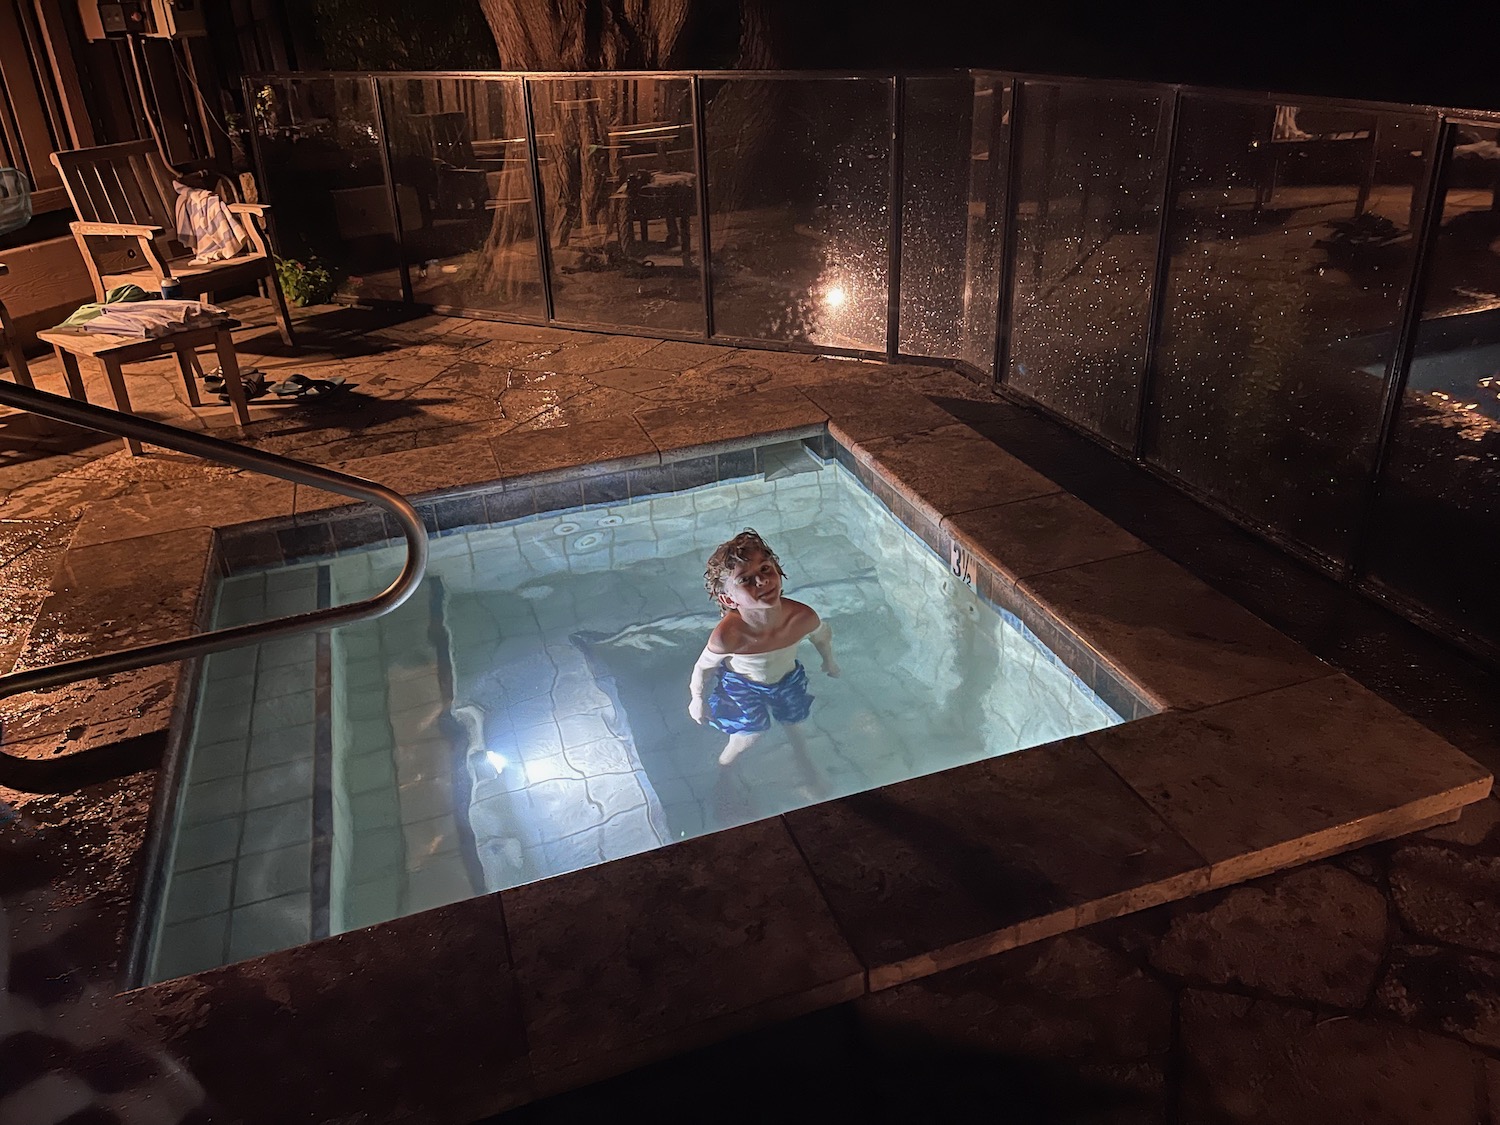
<point>645,196</point>
<point>457,186</point>
<point>1305,136</point>
<point>1476,159</point>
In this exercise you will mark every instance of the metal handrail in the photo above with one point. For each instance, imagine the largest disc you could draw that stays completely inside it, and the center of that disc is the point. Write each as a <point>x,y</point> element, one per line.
<point>213,449</point>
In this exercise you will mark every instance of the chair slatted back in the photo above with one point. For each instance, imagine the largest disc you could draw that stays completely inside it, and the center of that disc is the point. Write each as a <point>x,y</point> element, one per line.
<point>123,183</point>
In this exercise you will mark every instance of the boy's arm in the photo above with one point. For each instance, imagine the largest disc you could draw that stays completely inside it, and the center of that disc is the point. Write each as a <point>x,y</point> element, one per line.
<point>708,663</point>
<point>822,640</point>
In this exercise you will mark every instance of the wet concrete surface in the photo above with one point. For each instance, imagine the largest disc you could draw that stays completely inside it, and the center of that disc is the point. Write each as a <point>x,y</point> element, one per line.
<point>1365,987</point>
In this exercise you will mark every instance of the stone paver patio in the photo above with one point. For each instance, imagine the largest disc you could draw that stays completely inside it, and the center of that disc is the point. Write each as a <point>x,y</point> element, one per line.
<point>1365,987</point>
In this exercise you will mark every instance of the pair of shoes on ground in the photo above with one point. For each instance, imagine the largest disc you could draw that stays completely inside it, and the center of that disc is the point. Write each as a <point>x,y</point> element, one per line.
<point>256,385</point>
<point>298,385</point>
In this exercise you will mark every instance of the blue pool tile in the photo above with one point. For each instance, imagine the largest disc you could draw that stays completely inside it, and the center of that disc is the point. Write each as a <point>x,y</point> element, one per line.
<point>276,747</point>
<point>272,874</point>
<point>212,760</point>
<point>605,489</point>
<point>695,472</point>
<point>558,497</point>
<point>458,512</point>
<point>360,527</point>
<point>287,650</point>
<point>739,463</point>
<point>373,901</point>
<point>190,947</point>
<point>212,800</point>
<point>650,482</point>
<point>203,845</point>
<point>437,884</point>
<point>279,784</point>
<point>230,663</point>
<point>820,446</point>
<point>512,504</point>
<point>378,851</point>
<point>278,826</point>
<point>265,927</point>
<point>245,549</point>
<point>198,892</point>
<point>305,541</point>
<point>283,712</point>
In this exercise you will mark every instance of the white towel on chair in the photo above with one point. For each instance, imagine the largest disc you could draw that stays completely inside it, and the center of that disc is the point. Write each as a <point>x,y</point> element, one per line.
<point>206,225</point>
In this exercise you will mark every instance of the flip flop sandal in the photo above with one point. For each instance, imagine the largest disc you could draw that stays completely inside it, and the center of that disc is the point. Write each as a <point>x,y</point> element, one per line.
<point>301,386</point>
<point>217,375</point>
<point>253,383</point>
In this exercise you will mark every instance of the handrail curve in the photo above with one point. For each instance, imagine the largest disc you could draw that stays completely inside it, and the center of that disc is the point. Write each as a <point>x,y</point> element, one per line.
<point>214,449</point>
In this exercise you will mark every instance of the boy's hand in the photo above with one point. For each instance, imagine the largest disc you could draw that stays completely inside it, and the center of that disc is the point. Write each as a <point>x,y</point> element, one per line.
<point>831,666</point>
<point>695,709</point>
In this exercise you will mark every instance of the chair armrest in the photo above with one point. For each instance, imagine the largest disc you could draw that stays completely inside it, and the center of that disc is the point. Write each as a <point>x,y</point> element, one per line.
<point>138,230</point>
<point>257,209</point>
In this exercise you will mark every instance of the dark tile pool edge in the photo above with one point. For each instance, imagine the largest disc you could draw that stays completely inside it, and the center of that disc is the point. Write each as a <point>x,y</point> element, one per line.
<point>152,858</point>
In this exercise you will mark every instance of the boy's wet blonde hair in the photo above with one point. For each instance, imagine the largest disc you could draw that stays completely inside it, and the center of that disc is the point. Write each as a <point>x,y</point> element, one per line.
<point>731,554</point>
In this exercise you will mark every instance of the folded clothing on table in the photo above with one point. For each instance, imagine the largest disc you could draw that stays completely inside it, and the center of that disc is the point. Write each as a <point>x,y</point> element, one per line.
<point>154,318</point>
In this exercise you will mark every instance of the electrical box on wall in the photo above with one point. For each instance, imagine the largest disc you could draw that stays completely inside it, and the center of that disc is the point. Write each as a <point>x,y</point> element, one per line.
<point>162,19</point>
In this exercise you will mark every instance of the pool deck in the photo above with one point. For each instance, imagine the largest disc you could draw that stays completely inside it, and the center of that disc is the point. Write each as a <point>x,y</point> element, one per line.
<point>1263,757</point>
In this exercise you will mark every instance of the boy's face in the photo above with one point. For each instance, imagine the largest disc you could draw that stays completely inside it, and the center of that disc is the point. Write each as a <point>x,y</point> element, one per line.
<point>753,584</point>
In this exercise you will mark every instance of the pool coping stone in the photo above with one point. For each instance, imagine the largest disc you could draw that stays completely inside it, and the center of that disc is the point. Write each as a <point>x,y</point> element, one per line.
<point>733,926</point>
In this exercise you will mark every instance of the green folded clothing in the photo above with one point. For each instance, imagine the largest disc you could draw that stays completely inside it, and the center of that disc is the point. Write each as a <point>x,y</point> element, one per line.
<point>85,313</point>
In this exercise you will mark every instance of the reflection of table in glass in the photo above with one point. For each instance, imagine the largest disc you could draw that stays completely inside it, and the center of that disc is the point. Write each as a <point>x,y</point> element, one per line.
<point>1288,142</point>
<point>670,196</point>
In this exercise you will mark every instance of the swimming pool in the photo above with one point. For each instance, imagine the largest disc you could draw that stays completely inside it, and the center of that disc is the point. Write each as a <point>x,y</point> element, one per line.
<point>524,714</point>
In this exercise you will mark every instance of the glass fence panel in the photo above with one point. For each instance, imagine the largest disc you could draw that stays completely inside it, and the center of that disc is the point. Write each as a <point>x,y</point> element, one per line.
<point>1088,187</point>
<point>617,159</point>
<point>463,185</point>
<point>954,133</point>
<point>799,205</point>
<point>322,169</point>
<point>984,239</point>
<point>937,122</point>
<point>1290,233</point>
<point>1435,530</point>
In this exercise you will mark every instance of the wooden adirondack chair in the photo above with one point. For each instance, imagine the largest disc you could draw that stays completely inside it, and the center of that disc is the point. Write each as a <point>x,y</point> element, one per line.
<point>127,228</point>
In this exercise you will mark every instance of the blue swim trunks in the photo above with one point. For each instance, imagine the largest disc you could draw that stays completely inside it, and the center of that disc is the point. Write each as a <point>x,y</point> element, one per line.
<point>741,706</point>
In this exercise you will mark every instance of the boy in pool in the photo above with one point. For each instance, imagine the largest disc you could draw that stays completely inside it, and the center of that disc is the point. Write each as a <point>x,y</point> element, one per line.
<point>753,648</point>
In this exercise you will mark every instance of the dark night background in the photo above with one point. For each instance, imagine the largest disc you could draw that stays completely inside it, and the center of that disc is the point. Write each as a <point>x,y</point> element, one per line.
<point>1442,53</point>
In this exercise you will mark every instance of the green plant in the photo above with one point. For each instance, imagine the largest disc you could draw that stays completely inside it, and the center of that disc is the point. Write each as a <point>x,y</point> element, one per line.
<point>305,283</point>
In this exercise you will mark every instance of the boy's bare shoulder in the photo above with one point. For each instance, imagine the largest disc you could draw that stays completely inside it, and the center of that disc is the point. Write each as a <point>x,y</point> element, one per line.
<point>727,635</point>
<point>802,614</point>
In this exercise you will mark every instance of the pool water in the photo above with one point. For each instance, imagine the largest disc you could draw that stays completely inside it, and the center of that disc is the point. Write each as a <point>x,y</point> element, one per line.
<point>524,714</point>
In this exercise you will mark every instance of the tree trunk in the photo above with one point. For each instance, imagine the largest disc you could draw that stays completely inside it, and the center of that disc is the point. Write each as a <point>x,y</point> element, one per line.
<point>613,35</point>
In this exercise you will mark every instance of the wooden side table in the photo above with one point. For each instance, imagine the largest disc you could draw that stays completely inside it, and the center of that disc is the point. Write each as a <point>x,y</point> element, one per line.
<point>113,352</point>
